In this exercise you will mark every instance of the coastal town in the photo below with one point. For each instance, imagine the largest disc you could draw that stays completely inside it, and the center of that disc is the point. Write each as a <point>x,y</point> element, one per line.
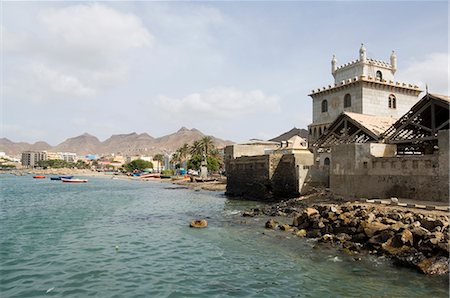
<point>371,172</point>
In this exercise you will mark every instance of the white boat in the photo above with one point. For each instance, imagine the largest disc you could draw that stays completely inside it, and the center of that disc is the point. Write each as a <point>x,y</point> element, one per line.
<point>74,180</point>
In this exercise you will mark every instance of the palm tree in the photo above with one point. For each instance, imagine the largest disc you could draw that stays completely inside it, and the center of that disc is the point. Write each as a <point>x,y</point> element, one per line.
<point>196,148</point>
<point>159,158</point>
<point>207,144</point>
<point>183,153</point>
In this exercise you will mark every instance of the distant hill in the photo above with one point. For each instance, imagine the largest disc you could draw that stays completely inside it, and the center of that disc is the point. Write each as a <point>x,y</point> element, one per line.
<point>289,134</point>
<point>12,148</point>
<point>83,144</point>
<point>126,144</point>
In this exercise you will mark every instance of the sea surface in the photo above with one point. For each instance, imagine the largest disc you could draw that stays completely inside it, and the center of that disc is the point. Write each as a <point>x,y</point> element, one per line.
<point>124,238</point>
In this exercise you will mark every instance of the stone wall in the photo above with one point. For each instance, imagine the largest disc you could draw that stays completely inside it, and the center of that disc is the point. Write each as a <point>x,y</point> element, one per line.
<point>356,172</point>
<point>237,150</point>
<point>268,176</point>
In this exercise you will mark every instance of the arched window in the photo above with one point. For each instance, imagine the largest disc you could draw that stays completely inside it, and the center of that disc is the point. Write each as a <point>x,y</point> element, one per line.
<point>379,75</point>
<point>324,106</point>
<point>392,102</point>
<point>315,133</point>
<point>326,161</point>
<point>347,100</point>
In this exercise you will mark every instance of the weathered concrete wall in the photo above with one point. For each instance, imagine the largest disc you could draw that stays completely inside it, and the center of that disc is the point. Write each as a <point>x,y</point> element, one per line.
<point>268,176</point>
<point>355,172</point>
<point>237,150</point>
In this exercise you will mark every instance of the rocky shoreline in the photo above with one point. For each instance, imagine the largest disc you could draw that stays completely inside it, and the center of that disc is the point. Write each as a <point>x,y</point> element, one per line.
<point>411,238</point>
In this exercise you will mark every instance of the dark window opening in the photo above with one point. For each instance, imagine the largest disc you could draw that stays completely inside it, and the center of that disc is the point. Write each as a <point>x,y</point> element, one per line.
<point>347,100</point>
<point>324,106</point>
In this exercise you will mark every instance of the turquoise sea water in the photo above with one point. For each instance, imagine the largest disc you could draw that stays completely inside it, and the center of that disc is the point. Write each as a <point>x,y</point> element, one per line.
<point>122,238</point>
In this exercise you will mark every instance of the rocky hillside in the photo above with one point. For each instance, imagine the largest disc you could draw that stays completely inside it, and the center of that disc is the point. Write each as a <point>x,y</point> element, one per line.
<point>127,144</point>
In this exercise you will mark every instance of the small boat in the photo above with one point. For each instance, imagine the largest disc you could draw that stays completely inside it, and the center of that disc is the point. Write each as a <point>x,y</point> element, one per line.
<point>151,175</point>
<point>61,177</point>
<point>39,177</point>
<point>74,180</point>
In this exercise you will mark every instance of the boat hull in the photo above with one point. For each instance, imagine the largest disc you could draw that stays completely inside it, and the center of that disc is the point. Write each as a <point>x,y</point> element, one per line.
<point>74,180</point>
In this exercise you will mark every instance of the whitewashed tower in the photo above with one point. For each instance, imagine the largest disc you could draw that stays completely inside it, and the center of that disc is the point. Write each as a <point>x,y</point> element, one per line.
<point>365,86</point>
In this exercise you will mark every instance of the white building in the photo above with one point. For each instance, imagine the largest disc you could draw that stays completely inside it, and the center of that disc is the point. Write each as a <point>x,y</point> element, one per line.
<point>364,86</point>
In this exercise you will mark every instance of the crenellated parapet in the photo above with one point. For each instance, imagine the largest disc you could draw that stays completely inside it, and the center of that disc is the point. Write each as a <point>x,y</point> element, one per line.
<point>373,81</point>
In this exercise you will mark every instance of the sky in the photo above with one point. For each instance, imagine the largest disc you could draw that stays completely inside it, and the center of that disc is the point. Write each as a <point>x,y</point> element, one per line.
<point>236,70</point>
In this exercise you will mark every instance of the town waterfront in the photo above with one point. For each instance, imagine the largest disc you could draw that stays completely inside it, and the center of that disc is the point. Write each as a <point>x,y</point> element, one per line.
<point>123,238</point>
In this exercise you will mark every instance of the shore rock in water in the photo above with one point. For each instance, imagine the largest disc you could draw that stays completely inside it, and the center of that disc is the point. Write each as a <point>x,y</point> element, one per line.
<point>271,224</point>
<point>285,227</point>
<point>434,266</point>
<point>301,233</point>
<point>199,223</point>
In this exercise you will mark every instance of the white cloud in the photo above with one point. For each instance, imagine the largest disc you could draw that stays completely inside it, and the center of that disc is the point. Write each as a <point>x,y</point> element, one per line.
<point>77,51</point>
<point>220,103</point>
<point>432,71</point>
<point>95,29</point>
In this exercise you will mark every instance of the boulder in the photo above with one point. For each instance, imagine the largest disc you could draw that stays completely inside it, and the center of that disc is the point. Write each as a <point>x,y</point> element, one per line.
<point>248,214</point>
<point>410,258</point>
<point>434,266</point>
<point>310,211</point>
<point>370,228</point>
<point>343,237</point>
<point>301,233</point>
<point>285,227</point>
<point>430,223</point>
<point>381,238</point>
<point>271,224</point>
<point>406,237</point>
<point>313,233</point>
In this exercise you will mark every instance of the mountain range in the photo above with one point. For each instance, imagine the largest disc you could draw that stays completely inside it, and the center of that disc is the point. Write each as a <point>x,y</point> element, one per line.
<point>125,144</point>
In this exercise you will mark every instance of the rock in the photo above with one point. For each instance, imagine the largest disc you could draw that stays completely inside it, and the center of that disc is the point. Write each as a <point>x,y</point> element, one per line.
<point>359,238</point>
<point>394,200</point>
<point>430,224</point>
<point>370,228</point>
<point>407,237</point>
<point>301,233</point>
<point>248,214</point>
<point>271,224</point>
<point>310,211</point>
<point>343,237</point>
<point>397,226</point>
<point>434,266</point>
<point>420,232</point>
<point>411,258</point>
<point>381,237</point>
<point>298,220</point>
<point>326,238</point>
<point>199,223</point>
<point>389,221</point>
<point>393,247</point>
<point>314,233</point>
<point>285,227</point>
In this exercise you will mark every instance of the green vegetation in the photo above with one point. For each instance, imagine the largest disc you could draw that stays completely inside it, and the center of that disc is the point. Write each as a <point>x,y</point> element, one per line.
<point>160,159</point>
<point>192,156</point>
<point>168,172</point>
<point>138,165</point>
<point>58,164</point>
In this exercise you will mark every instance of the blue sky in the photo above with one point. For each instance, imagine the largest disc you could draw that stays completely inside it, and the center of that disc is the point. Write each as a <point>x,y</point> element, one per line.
<point>235,70</point>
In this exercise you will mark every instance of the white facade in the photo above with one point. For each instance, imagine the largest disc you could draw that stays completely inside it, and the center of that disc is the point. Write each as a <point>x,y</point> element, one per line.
<point>365,86</point>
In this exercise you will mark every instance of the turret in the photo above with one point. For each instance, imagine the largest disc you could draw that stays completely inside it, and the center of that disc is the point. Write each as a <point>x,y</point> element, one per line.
<point>393,62</point>
<point>362,53</point>
<point>333,65</point>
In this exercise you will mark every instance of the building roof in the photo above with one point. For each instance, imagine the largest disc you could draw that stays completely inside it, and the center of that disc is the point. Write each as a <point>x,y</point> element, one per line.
<point>422,122</point>
<point>376,124</point>
<point>354,128</point>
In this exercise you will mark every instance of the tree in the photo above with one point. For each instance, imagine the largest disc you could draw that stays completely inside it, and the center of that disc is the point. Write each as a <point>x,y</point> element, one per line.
<point>160,159</point>
<point>183,154</point>
<point>138,165</point>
